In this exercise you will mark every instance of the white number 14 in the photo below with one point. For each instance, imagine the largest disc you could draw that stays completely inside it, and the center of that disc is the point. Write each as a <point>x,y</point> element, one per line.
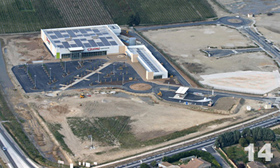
<point>266,148</point>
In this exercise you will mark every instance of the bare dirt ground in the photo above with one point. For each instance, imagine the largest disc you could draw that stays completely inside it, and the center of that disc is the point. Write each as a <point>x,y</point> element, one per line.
<point>146,121</point>
<point>141,86</point>
<point>25,48</point>
<point>242,81</point>
<point>269,26</point>
<point>184,45</point>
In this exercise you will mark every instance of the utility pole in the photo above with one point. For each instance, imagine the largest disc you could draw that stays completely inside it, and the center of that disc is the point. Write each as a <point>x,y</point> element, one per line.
<point>35,81</point>
<point>65,68</point>
<point>50,73</point>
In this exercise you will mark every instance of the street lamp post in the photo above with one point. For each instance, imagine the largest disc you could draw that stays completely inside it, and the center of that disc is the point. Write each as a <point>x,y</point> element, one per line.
<point>50,73</point>
<point>35,82</point>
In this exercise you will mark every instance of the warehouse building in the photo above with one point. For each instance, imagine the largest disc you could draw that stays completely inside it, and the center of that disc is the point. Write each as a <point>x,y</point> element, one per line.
<point>154,69</point>
<point>82,42</point>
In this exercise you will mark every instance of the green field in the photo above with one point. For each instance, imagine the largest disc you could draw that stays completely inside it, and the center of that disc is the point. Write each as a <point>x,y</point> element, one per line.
<point>33,15</point>
<point>159,12</point>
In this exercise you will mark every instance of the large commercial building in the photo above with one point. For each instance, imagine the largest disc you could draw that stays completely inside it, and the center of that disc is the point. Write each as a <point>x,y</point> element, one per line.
<point>154,69</point>
<point>82,42</point>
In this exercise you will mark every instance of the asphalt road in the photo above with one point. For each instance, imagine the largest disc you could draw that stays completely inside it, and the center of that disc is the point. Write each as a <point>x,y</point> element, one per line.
<point>224,20</point>
<point>260,40</point>
<point>14,154</point>
<point>204,144</point>
<point>217,156</point>
<point>218,53</point>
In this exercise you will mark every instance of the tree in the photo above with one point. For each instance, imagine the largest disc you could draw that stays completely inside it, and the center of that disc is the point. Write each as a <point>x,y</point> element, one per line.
<point>144,165</point>
<point>241,165</point>
<point>154,163</point>
<point>246,132</point>
<point>250,139</point>
<point>137,19</point>
<point>236,136</point>
<point>130,21</point>
<point>243,142</point>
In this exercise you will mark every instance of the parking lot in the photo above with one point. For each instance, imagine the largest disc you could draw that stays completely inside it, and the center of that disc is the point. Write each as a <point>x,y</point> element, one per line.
<point>52,76</point>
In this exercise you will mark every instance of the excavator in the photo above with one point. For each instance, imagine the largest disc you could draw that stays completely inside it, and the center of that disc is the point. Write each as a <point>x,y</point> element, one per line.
<point>82,95</point>
<point>159,93</point>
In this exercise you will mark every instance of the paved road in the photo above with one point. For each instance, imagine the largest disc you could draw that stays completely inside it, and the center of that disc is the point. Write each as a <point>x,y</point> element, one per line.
<point>228,20</point>
<point>260,40</point>
<point>15,155</point>
<point>204,144</point>
<point>218,53</point>
<point>218,157</point>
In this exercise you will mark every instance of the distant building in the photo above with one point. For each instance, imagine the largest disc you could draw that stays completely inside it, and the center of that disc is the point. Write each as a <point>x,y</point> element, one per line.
<point>186,159</point>
<point>255,164</point>
<point>197,163</point>
<point>250,15</point>
<point>167,165</point>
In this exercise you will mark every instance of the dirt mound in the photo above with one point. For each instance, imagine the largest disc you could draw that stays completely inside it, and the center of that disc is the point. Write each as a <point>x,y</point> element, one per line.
<point>140,86</point>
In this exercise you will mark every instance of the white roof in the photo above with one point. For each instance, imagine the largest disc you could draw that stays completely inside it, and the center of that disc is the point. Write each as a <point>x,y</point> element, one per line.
<point>148,60</point>
<point>182,90</point>
<point>85,36</point>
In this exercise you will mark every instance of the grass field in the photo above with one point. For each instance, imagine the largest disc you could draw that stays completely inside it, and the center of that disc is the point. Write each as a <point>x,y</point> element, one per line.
<point>110,130</point>
<point>33,15</point>
<point>159,12</point>
<point>117,131</point>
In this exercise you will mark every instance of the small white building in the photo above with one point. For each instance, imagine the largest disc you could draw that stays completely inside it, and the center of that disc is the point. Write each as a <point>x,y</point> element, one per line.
<point>181,92</point>
<point>82,42</point>
<point>154,69</point>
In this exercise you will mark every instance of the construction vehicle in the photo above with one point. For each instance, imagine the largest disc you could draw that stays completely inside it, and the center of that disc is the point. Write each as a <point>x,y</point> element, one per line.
<point>159,93</point>
<point>130,78</point>
<point>82,96</point>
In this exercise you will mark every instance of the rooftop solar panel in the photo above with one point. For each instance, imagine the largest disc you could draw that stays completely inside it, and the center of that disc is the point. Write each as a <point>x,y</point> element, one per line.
<point>92,43</point>
<point>78,42</point>
<point>147,61</point>
<point>75,30</point>
<point>49,32</point>
<point>100,44</point>
<point>53,37</point>
<point>96,30</point>
<point>73,45</point>
<point>86,35</point>
<point>66,36</point>
<point>104,40</point>
<point>109,37</point>
<point>60,46</point>
<point>88,29</point>
<point>66,44</point>
<point>58,34</point>
<point>113,43</point>
<point>83,39</point>
<point>71,33</point>
<point>87,45</point>
<point>56,41</point>
<point>62,31</point>
<point>82,31</point>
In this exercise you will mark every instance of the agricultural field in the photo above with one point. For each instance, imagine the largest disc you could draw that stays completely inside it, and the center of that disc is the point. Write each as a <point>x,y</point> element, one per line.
<point>31,15</point>
<point>153,12</point>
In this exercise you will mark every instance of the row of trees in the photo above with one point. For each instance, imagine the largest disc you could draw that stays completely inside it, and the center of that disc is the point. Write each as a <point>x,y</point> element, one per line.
<point>246,136</point>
